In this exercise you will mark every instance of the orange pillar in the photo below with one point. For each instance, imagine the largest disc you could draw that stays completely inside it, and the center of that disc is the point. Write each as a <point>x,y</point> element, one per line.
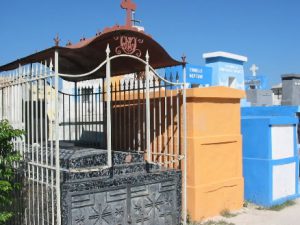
<point>214,177</point>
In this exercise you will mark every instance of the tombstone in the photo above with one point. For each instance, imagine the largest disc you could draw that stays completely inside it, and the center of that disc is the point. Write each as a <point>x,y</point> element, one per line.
<point>255,81</point>
<point>227,69</point>
<point>290,89</point>
<point>256,89</point>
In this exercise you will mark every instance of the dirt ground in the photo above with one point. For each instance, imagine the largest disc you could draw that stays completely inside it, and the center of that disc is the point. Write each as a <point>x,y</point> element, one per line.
<point>254,215</point>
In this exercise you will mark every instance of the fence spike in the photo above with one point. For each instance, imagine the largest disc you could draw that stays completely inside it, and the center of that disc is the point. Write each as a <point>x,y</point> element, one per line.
<point>28,73</point>
<point>51,65</point>
<point>177,76</point>
<point>41,69</point>
<point>171,77</point>
<point>36,70</point>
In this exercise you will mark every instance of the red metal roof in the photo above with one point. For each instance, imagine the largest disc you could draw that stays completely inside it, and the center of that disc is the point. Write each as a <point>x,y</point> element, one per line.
<point>89,53</point>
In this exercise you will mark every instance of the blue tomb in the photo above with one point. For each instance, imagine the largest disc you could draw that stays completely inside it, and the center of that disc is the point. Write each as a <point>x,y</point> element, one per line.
<point>228,69</point>
<point>270,154</point>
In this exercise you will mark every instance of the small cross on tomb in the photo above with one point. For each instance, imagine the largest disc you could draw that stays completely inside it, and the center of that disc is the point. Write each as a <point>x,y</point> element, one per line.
<point>130,7</point>
<point>254,69</point>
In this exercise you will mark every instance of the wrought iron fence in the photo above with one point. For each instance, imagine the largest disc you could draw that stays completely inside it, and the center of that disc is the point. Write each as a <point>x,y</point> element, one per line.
<point>84,112</point>
<point>28,101</point>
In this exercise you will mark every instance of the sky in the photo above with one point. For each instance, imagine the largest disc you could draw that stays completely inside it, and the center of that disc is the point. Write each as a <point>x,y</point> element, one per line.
<point>266,31</point>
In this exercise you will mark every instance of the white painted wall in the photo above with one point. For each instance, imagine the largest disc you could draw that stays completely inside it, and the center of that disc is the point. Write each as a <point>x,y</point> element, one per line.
<point>284,180</point>
<point>282,141</point>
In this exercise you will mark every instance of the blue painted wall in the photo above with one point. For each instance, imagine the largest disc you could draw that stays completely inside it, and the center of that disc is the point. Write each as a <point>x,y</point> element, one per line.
<point>223,69</point>
<point>257,152</point>
<point>198,75</point>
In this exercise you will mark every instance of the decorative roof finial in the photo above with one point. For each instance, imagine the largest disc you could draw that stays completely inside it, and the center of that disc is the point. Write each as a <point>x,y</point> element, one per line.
<point>130,7</point>
<point>56,40</point>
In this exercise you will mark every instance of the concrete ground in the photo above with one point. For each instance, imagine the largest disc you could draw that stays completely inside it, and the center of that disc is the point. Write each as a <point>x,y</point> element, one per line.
<point>255,215</point>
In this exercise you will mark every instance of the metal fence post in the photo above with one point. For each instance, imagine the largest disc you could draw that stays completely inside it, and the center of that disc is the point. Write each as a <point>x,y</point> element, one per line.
<point>57,163</point>
<point>108,109</point>
<point>147,72</point>
<point>184,144</point>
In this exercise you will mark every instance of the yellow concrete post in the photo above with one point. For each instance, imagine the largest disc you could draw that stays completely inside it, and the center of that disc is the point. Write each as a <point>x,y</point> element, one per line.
<point>214,181</point>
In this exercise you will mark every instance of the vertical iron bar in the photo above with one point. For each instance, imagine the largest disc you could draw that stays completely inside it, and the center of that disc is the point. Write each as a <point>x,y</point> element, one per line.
<point>148,107</point>
<point>129,122</point>
<point>32,146</point>
<point>76,108</point>
<point>178,119</point>
<point>42,141</point>
<point>85,109</point>
<point>70,134</point>
<point>154,122</point>
<point>120,115</point>
<point>115,111</point>
<point>108,109</point>
<point>134,116</point>
<point>124,117</point>
<point>143,136</point>
<point>57,163</point>
<point>93,120</point>
<point>79,113</point>
<point>64,125</point>
<point>36,117</point>
<point>139,116</point>
<point>89,96</point>
<point>104,121</point>
<point>28,142</point>
<point>82,116</point>
<point>166,158</point>
<point>51,143</point>
<point>46,140</point>
<point>99,113</point>
<point>171,149</point>
<point>184,146</point>
<point>160,122</point>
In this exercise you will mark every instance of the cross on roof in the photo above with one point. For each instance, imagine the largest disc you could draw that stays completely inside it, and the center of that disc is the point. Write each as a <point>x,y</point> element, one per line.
<point>254,69</point>
<point>130,7</point>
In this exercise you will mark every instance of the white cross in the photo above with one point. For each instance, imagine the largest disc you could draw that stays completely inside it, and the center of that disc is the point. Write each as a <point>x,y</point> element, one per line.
<point>254,69</point>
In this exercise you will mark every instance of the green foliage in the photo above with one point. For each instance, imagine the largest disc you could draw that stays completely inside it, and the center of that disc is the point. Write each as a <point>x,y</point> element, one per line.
<point>8,158</point>
<point>245,204</point>
<point>220,222</point>
<point>211,222</point>
<point>278,207</point>
<point>227,214</point>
